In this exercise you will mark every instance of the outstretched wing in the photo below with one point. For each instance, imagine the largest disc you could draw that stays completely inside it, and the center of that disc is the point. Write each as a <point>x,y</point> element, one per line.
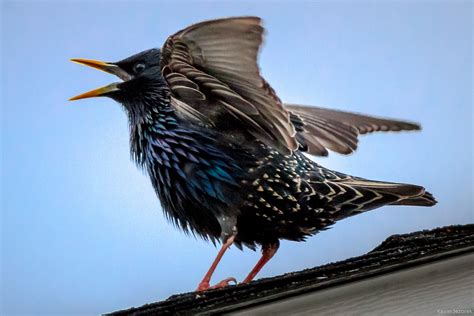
<point>319,129</point>
<point>211,68</point>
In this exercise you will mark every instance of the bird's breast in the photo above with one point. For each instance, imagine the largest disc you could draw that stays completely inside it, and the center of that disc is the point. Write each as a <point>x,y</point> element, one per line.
<point>195,180</point>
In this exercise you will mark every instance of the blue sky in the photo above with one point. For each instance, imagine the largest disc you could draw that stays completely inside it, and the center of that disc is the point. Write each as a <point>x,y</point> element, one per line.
<point>82,231</point>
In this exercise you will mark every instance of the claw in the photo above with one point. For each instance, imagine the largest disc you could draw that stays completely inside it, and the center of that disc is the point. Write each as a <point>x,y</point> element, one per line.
<point>203,286</point>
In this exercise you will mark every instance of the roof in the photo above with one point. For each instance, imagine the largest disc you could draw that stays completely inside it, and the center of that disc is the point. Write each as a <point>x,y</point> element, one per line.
<point>397,252</point>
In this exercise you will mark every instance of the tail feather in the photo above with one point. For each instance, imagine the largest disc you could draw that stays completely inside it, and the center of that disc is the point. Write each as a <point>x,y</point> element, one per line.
<point>368,195</point>
<point>399,189</point>
<point>427,199</point>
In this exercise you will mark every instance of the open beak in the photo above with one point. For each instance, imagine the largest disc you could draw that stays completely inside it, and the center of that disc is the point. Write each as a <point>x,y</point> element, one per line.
<point>104,66</point>
<point>96,92</point>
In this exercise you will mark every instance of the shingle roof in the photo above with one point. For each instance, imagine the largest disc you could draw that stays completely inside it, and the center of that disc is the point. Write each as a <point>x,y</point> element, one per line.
<point>395,253</point>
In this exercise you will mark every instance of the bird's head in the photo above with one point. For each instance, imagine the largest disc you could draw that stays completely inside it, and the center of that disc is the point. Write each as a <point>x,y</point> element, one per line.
<point>142,82</point>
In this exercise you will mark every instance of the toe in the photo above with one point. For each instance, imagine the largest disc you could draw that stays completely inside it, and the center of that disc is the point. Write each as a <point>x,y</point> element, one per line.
<point>203,286</point>
<point>224,283</point>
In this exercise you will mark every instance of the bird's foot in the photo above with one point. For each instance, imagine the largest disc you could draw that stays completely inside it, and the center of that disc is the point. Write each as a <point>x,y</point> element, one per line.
<point>204,286</point>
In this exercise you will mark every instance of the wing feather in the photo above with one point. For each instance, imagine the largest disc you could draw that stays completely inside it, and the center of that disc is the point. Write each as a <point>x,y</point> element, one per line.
<point>211,68</point>
<point>338,130</point>
<point>220,58</point>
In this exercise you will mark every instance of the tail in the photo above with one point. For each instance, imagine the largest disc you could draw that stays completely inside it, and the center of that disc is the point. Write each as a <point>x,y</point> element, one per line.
<point>427,199</point>
<point>395,193</point>
<point>356,195</point>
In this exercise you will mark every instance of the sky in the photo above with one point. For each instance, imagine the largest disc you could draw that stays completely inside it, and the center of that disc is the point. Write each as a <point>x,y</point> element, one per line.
<point>82,231</point>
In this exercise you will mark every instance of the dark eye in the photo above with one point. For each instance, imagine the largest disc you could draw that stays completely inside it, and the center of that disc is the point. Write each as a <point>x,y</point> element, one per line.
<point>139,67</point>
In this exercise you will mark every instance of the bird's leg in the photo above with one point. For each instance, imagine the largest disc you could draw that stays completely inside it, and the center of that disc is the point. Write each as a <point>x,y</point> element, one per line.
<point>268,251</point>
<point>204,285</point>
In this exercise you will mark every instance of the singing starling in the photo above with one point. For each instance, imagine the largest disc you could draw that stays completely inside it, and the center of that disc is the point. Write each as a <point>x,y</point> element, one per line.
<point>226,156</point>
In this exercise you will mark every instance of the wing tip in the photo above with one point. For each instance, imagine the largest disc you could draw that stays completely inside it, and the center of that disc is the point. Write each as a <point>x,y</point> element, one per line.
<point>255,20</point>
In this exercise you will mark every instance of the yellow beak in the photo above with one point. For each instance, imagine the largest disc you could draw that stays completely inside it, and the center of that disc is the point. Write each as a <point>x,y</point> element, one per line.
<point>104,66</point>
<point>96,92</point>
<point>97,64</point>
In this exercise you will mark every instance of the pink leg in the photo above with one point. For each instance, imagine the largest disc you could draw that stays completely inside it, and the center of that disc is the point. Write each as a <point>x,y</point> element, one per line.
<point>204,285</point>
<point>268,251</point>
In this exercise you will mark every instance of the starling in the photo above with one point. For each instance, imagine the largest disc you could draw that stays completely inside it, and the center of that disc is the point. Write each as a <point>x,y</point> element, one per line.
<point>226,156</point>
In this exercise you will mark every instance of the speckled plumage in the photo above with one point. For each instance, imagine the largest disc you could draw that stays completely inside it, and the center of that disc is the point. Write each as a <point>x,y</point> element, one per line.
<point>225,155</point>
<point>207,184</point>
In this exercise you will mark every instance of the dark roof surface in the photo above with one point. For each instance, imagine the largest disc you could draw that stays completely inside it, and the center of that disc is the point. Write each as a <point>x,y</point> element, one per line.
<point>395,253</point>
